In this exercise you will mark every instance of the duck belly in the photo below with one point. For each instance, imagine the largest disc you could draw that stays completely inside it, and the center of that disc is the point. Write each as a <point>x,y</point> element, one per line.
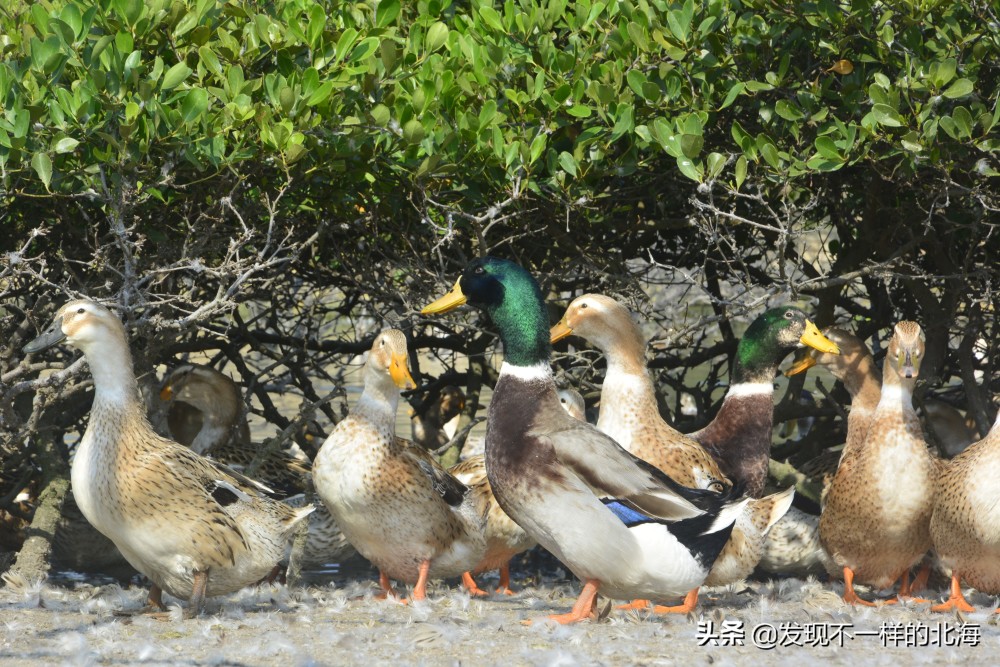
<point>398,526</point>
<point>882,530</point>
<point>965,526</point>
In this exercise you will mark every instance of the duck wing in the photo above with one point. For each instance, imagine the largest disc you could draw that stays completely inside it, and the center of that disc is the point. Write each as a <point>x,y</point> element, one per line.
<point>451,490</point>
<point>612,472</point>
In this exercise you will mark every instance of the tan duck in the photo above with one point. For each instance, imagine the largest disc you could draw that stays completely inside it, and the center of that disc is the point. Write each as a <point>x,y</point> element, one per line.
<point>205,412</point>
<point>875,522</point>
<point>504,538</point>
<point>629,414</point>
<point>194,527</point>
<point>433,428</point>
<point>403,512</point>
<point>573,403</point>
<point>793,545</point>
<point>965,523</point>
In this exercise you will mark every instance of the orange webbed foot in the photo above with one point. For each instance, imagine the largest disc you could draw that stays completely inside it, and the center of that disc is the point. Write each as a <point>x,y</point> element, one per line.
<point>582,610</point>
<point>470,585</point>
<point>637,605</point>
<point>686,607</point>
<point>956,600</point>
<point>850,597</point>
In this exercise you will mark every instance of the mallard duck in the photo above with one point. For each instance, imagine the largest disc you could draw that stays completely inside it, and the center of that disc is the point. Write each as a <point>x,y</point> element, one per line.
<point>965,523</point>
<point>629,414</point>
<point>875,522</point>
<point>194,527</point>
<point>399,508</point>
<point>619,524</point>
<point>739,437</point>
<point>504,538</point>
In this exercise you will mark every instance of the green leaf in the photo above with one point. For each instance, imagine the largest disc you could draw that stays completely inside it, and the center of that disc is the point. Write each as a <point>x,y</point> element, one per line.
<point>770,155</point>
<point>741,171</point>
<point>826,147</point>
<point>42,165</point>
<point>624,122</point>
<point>734,91</point>
<point>714,163</point>
<point>537,146</point>
<point>386,12</point>
<point>491,18</point>
<point>568,163</point>
<point>960,88</point>
<point>688,169</point>
<point>174,76</point>
<point>437,35</point>
<point>210,60</point>
<point>635,79</point>
<point>787,110</point>
<point>65,145</point>
<point>194,105</point>
<point>413,131</point>
<point>362,51</point>
<point>963,121</point>
<point>579,111</point>
<point>886,115</point>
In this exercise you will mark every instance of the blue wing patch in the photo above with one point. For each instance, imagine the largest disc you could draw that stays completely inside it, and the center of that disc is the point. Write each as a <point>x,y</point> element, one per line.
<point>628,516</point>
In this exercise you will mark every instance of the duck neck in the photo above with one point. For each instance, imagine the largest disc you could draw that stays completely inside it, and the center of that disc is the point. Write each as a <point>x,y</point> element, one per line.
<point>379,400</point>
<point>522,322</point>
<point>115,386</point>
<point>627,386</point>
<point>897,393</point>
<point>864,383</point>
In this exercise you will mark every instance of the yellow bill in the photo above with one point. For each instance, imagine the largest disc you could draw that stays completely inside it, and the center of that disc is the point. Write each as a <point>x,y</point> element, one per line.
<point>449,301</point>
<point>801,365</point>
<point>816,340</point>
<point>399,373</point>
<point>559,331</point>
<point>167,393</point>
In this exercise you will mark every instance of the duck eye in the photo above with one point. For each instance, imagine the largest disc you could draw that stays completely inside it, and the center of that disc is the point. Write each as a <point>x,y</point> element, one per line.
<point>789,314</point>
<point>584,305</point>
<point>81,310</point>
<point>479,271</point>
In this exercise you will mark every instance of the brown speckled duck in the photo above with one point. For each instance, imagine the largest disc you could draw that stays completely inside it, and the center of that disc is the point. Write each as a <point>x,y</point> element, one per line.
<point>876,514</point>
<point>194,527</point>
<point>398,507</point>
<point>965,523</point>
<point>629,414</point>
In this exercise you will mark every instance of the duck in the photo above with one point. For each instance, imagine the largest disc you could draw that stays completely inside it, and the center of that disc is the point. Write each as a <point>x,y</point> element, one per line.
<point>204,411</point>
<point>435,426</point>
<point>572,402</point>
<point>793,546</point>
<point>630,415</point>
<point>875,519</point>
<point>965,520</point>
<point>195,528</point>
<point>504,538</point>
<point>622,526</point>
<point>396,505</point>
<point>739,437</point>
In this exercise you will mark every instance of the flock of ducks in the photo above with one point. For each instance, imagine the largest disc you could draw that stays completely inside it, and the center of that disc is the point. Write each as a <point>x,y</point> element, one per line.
<point>635,509</point>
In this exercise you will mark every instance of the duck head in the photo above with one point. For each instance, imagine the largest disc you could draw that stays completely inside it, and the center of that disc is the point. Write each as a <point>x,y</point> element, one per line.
<point>905,352</point>
<point>82,323</point>
<point>852,352</point>
<point>770,337</point>
<point>511,298</point>
<point>389,357</point>
<point>599,319</point>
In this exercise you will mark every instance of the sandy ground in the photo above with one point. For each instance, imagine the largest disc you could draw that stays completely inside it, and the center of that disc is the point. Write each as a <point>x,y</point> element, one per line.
<point>339,623</point>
